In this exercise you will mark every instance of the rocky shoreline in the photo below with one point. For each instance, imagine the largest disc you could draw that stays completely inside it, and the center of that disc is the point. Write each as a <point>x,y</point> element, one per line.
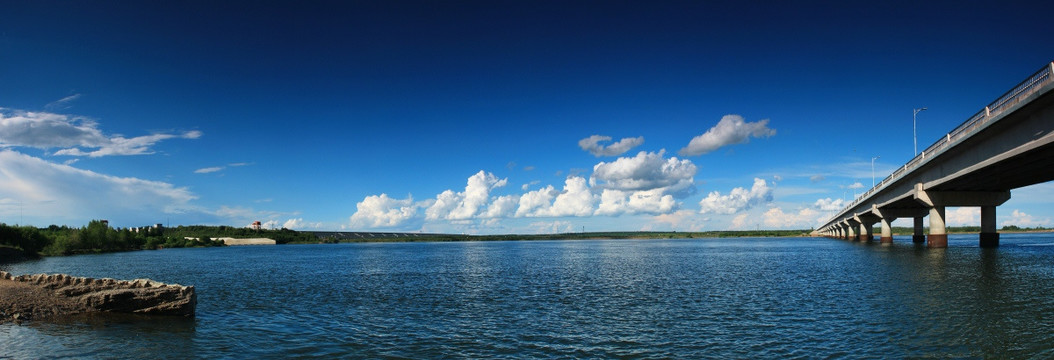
<point>42,296</point>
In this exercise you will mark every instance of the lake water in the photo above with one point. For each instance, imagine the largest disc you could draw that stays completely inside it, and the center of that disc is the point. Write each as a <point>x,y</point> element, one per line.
<point>689,298</point>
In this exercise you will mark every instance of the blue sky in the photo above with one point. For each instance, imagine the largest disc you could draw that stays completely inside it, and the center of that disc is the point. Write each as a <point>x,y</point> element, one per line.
<point>490,116</point>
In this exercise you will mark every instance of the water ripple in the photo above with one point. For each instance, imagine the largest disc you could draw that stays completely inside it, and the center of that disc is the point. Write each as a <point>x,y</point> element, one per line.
<point>701,298</point>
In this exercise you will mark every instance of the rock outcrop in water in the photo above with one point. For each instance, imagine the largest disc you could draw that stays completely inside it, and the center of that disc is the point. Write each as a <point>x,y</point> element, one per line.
<point>27,297</point>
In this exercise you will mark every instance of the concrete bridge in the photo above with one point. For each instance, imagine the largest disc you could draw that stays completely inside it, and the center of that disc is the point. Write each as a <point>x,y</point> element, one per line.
<point>1007,145</point>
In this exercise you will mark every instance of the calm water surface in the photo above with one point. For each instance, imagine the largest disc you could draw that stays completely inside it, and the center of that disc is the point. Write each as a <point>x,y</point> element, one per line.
<point>691,298</point>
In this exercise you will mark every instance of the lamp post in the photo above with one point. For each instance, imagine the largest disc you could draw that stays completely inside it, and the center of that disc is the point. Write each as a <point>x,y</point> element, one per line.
<point>914,137</point>
<point>873,171</point>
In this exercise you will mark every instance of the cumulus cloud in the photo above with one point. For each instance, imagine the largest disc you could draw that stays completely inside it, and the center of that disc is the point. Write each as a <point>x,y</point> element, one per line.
<point>382,211</point>
<point>76,195</point>
<point>501,207</point>
<point>299,223</point>
<point>731,130</point>
<point>817,178</point>
<point>1021,219</point>
<point>828,204</point>
<point>618,202</point>
<point>962,216</point>
<point>73,135</point>
<point>737,200</point>
<point>646,171</point>
<point>269,224</point>
<point>804,218</point>
<point>593,146</point>
<point>576,199</point>
<point>686,220</point>
<point>739,222</point>
<point>856,185</point>
<point>467,204</point>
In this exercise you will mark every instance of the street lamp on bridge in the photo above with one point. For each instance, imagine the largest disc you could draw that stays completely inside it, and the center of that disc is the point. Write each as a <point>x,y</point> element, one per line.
<point>914,136</point>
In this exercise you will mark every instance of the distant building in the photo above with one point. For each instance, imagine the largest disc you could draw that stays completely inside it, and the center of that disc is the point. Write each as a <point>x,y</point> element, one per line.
<point>147,228</point>
<point>256,225</point>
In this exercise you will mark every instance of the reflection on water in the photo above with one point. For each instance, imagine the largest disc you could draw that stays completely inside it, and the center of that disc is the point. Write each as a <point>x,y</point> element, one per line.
<point>774,298</point>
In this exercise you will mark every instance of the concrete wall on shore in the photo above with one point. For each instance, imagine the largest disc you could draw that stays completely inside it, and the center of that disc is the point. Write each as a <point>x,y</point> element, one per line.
<point>256,241</point>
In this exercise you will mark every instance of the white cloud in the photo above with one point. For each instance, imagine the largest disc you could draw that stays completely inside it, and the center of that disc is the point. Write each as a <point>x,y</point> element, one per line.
<point>1022,219</point>
<point>739,222</point>
<point>44,130</point>
<point>576,199</point>
<point>732,129</point>
<point>57,191</point>
<point>537,202</point>
<point>828,204</point>
<point>593,146</point>
<point>962,216</point>
<point>817,178</point>
<point>501,207</point>
<point>618,202</point>
<point>465,205</point>
<point>208,170</point>
<point>646,171</point>
<point>804,218</point>
<point>737,200</point>
<point>856,185</point>
<point>684,220</point>
<point>299,223</point>
<point>382,211</point>
<point>63,103</point>
<point>552,227</point>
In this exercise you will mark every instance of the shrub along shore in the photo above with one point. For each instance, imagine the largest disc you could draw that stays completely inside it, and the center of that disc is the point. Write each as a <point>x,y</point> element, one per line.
<point>99,237</point>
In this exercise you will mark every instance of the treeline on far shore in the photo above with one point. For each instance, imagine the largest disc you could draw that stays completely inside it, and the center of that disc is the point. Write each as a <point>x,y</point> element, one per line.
<point>99,237</point>
<point>333,237</point>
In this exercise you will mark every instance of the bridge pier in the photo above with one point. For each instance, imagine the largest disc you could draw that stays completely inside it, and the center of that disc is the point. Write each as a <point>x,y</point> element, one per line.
<point>989,236</point>
<point>867,221</point>
<point>938,237</point>
<point>851,234</point>
<point>937,200</point>
<point>887,231</point>
<point>867,232</point>
<point>918,236</point>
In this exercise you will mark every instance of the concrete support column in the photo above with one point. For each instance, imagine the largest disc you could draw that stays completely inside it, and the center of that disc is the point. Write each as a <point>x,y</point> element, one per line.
<point>938,237</point>
<point>989,236</point>
<point>851,231</point>
<point>918,236</point>
<point>867,232</point>
<point>887,231</point>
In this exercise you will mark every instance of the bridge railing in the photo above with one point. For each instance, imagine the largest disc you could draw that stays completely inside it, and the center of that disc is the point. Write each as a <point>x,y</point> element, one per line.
<point>1027,87</point>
